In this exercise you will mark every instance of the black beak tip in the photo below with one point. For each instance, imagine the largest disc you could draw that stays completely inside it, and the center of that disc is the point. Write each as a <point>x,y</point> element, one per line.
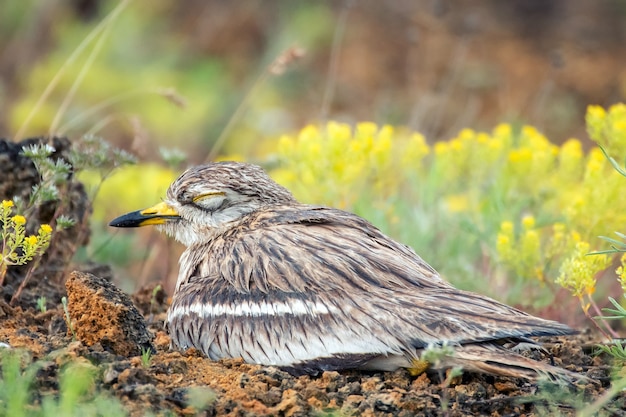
<point>128,220</point>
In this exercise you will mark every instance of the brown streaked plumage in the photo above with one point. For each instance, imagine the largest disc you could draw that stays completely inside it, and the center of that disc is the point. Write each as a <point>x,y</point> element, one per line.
<point>311,288</point>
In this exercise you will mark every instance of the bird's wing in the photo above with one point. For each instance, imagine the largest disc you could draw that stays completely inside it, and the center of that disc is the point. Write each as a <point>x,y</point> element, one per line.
<point>319,284</point>
<point>321,248</point>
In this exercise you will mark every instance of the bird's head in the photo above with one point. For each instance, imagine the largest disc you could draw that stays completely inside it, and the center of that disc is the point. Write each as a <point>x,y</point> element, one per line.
<point>208,198</point>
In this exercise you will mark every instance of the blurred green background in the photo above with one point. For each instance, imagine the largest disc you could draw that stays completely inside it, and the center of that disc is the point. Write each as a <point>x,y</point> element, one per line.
<point>435,66</point>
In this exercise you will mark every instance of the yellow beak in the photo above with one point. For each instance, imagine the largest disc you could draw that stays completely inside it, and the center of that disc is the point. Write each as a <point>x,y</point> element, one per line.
<point>157,214</point>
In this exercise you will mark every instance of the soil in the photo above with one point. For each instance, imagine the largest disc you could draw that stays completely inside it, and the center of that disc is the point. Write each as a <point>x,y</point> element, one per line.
<point>111,329</point>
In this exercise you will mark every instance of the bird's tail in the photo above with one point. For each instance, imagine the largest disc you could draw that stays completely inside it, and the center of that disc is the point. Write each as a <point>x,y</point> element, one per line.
<point>496,360</point>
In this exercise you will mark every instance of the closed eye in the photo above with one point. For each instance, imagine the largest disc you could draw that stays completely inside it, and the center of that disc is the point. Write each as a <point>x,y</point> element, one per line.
<point>201,197</point>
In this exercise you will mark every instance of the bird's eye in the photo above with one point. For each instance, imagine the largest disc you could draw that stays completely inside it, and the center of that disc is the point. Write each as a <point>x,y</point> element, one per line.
<point>205,196</point>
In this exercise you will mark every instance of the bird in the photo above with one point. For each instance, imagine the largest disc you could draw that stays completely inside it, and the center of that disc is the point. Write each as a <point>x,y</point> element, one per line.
<point>310,288</point>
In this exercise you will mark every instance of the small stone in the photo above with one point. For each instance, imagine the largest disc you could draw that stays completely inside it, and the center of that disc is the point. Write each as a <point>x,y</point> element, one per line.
<point>353,401</point>
<point>135,376</point>
<point>177,366</point>
<point>162,340</point>
<point>387,402</point>
<point>351,388</point>
<point>505,387</point>
<point>244,380</point>
<point>101,313</point>
<point>291,404</point>
<point>110,375</point>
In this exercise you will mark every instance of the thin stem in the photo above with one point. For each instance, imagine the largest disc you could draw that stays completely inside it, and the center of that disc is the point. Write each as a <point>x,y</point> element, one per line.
<point>31,270</point>
<point>595,323</point>
<point>277,67</point>
<point>107,103</point>
<point>3,271</point>
<point>335,53</point>
<point>79,78</point>
<point>57,77</point>
<point>613,333</point>
<point>237,115</point>
<point>101,124</point>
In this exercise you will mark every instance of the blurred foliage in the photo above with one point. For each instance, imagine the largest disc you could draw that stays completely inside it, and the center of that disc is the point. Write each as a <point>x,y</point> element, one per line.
<point>113,79</point>
<point>132,187</point>
<point>175,72</point>
<point>128,91</point>
<point>504,212</point>
<point>76,394</point>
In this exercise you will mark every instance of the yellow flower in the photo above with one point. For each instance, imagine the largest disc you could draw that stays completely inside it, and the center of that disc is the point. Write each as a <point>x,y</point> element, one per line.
<point>7,204</point>
<point>456,144</point>
<point>441,148</point>
<point>366,129</point>
<point>520,155</point>
<point>18,219</point>
<point>572,148</point>
<point>457,203</point>
<point>386,132</point>
<point>341,131</point>
<point>528,222</point>
<point>507,227</point>
<point>45,229</point>
<point>621,272</point>
<point>595,113</point>
<point>482,138</point>
<point>31,240</point>
<point>503,129</point>
<point>578,272</point>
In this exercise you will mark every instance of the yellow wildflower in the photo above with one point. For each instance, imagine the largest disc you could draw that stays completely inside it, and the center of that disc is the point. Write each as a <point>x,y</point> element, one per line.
<point>386,132</point>
<point>457,203</point>
<point>7,204</point>
<point>578,272</point>
<point>621,272</point>
<point>45,229</point>
<point>415,150</point>
<point>365,129</point>
<point>572,148</point>
<point>503,133</point>
<point>309,132</point>
<point>530,252</point>
<point>504,244</point>
<point>18,219</point>
<point>466,135</point>
<point>507,227</point>
<point>456,144</point>
<point>595,163</point>
<point>441,148</point>
<point>528,222</point>
<point>520,155</point>
<point>595,113</point>
<point>341,131</point>
<point>482,138</point>
<point>31,240</point>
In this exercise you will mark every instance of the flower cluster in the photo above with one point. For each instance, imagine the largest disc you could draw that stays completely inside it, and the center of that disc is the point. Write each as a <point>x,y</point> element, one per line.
<point>579,270</point>
<point>16,247</point>
<point>608,129</point>
<point>621,272</point>
<point>521,252</point>
<point>319,163</point>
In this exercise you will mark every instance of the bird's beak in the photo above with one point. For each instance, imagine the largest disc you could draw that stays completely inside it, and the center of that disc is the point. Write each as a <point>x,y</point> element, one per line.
<point>158,214</point>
